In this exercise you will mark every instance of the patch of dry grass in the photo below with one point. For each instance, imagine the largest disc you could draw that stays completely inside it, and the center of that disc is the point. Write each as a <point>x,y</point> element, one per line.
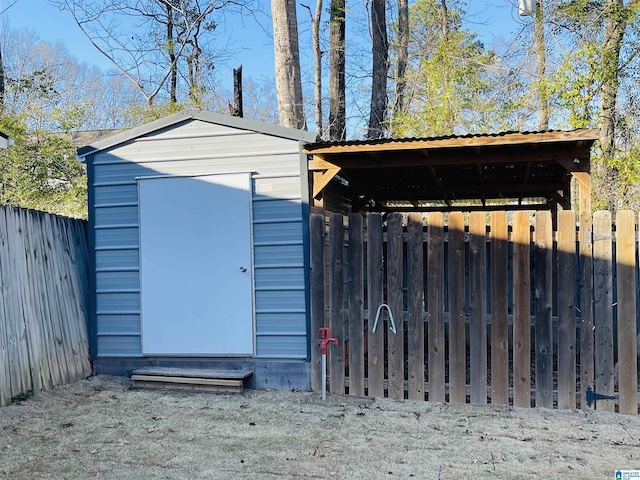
<point>100,428</point>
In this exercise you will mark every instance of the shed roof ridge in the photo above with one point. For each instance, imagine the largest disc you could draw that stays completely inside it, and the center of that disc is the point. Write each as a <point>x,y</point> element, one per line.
<point>196,114</point>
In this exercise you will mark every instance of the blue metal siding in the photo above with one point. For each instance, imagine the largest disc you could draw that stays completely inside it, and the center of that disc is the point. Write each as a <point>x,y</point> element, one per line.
<point>281,346</point>
<point>195,148</point>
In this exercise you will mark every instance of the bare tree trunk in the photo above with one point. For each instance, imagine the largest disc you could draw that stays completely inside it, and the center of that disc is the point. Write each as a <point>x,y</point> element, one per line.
<point>235,109</point>
<point>380,51</point>
<point>2,87</point>
<point>173,81</point>
<point>337,96</point>
<point>403,54</point>
<point>317,62</point>
<point>613,37</point>
<point>287,63</point>
<point>541,66</point>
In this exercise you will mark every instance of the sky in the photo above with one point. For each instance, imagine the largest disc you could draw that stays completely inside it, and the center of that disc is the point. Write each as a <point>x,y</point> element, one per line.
<point>252,44</point>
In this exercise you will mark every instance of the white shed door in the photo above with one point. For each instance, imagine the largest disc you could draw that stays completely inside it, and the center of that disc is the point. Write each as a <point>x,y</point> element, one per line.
<point>195,256</point>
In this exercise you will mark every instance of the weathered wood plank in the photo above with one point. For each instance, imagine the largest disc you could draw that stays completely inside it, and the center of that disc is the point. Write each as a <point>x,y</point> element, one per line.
<point>192,372</point>
<point>521,310</point>
<point>566,309</point>
<point>336,318</point>
<point>20,356</point>
<point>457,318</point>
<point>375,284</point>
<point>221,382</point>
<point>356,305</point>
<point>57,309</point>
<point>542,301</point>
<point>5,371</point>
<point>626,290</point>
<point>415,325</point>
<point>435,289</point>
<point>48,291</point>
<point>478,308</point>
<point>317,233</point>
<point>587,354</point>
<point>29,283</point>
<point>395,352</point>
<point>188,388</point>
<point>79,309</point>
<point>603,311</point>
<point>499,309</point>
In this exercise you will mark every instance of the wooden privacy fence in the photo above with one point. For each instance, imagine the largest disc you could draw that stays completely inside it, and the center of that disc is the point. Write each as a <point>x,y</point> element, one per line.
<point>43,281</point>
<point>501,311</point>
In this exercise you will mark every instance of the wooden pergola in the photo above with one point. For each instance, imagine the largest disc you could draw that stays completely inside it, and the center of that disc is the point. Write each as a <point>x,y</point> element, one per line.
<point>504,171</point>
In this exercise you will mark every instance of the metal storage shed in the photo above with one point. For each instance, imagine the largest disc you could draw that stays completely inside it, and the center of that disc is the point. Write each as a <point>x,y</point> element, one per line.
<point>198,228</point>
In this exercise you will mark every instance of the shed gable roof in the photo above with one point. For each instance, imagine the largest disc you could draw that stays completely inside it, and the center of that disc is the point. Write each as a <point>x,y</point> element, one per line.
<point>197,114</point>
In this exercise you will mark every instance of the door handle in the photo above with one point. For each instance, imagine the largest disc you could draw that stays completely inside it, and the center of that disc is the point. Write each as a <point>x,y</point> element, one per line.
<point>243,269</point>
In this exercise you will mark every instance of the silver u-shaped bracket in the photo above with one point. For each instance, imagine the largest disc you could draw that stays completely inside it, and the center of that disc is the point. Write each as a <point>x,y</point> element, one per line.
<point>375,323</point>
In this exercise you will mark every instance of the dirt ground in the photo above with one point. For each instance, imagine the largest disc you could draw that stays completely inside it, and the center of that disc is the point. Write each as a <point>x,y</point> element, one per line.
<point>101,428</point>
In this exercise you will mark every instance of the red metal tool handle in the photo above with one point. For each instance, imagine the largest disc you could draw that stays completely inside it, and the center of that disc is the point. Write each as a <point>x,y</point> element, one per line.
<point>324,337</point>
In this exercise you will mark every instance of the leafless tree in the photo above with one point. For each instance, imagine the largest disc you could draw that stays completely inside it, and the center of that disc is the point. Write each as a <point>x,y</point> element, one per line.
<point>156,44</point>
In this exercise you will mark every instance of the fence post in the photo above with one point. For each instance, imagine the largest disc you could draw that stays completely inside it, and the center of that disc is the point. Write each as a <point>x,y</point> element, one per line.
<point>586,306</point>
<point>395,302</point>
<point>543,295</point>
<point>457,317</point>
<point>317,262</point>
<point>626,287</point>
<point>375,276</point>
<point>336,320</point>
<point>478,307</point>
<point>499,309</point>
<point>415,326</point>
<point>356,305</point>
<point>521,310</point>
<point>603,310</point>
<point>566,309</point>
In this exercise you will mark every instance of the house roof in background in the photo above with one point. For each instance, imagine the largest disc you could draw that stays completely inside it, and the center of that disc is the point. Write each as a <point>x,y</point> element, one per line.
<point>5,140</point>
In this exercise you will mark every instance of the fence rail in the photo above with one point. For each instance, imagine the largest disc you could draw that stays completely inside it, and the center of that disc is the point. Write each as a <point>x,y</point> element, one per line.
<point>43,286</point>
<point>501,311</point>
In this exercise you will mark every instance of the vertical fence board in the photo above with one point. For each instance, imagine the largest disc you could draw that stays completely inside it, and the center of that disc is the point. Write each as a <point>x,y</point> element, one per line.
<point>375,298</point>
<point>65,292</point>
<point>543,302</point>
<point>415,326</point>
<point>395,302</point>
<point>435,287</point>
<point>499,309</point>
<point>478,307</point>
<point>336,319</point>
<point>587,355</point>
<point>29,282</point>
<point>317,262</point>
<point>356,305</point>
<point>603,311</point>
<point>75,290</point>
<point>457,337</point>
<point>19,361</point>
<point>521,311</point>
<point>566,309</point>
<point>57,317</point>
<point>626,289</point>
<point>5,372</point>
